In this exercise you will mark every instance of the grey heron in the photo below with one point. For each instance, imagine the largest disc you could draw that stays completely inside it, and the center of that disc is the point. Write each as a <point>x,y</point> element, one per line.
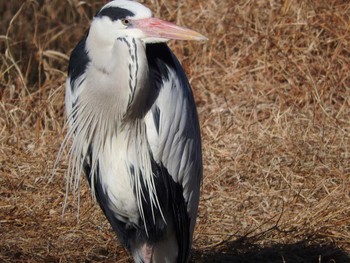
<point>134,129</point>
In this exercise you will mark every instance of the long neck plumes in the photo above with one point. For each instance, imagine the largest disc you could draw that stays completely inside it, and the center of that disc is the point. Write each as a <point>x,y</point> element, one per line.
<point>114,91</point>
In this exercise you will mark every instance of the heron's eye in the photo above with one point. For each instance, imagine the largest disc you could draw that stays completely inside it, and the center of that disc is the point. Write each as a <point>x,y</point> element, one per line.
<point>125,22</point>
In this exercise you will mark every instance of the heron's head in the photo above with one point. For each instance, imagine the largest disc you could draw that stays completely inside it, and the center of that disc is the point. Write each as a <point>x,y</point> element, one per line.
<point>126,18</point>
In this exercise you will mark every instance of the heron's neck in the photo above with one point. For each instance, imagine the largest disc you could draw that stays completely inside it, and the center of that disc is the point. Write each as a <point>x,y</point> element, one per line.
<point>118,78</point>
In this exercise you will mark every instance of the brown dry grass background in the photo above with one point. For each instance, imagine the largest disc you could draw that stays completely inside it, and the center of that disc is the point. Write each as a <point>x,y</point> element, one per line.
<point>272,86</point>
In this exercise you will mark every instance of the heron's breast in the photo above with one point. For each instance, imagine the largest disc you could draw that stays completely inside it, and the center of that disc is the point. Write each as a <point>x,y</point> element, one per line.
<point>117,180</point>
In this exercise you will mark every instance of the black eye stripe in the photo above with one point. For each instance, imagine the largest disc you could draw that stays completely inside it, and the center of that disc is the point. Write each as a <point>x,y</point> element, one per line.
<point>115,13</point>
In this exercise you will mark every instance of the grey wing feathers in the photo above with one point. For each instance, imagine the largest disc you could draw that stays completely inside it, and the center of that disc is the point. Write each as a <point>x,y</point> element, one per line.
<point>173,128</point>
<point>78,64</point>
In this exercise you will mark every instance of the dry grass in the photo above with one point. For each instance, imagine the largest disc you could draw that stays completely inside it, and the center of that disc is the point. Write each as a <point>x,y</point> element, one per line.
<point>272,87</point>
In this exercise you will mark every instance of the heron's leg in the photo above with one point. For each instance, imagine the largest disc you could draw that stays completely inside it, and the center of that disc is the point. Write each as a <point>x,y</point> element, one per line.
<point>147,253</point>
<point>143,253</point>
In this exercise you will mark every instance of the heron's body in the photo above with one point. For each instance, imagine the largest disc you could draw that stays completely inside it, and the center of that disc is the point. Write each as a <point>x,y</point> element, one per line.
<point>136,135</point>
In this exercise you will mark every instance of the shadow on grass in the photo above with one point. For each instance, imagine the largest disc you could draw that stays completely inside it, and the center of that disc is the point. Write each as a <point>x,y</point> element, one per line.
<point>245,251</point>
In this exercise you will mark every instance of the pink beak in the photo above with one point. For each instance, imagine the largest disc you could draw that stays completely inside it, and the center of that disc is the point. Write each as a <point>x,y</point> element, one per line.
<point>156,28</point>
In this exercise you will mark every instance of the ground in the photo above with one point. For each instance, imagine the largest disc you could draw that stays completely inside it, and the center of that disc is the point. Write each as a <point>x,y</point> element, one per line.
<point>272,88</point>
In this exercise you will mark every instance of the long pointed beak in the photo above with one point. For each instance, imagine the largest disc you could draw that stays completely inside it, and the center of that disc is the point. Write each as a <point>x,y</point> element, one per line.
<point>156,28</point>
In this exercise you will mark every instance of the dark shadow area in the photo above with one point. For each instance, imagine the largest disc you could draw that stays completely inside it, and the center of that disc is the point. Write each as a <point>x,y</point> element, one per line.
<point>244,250</point>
